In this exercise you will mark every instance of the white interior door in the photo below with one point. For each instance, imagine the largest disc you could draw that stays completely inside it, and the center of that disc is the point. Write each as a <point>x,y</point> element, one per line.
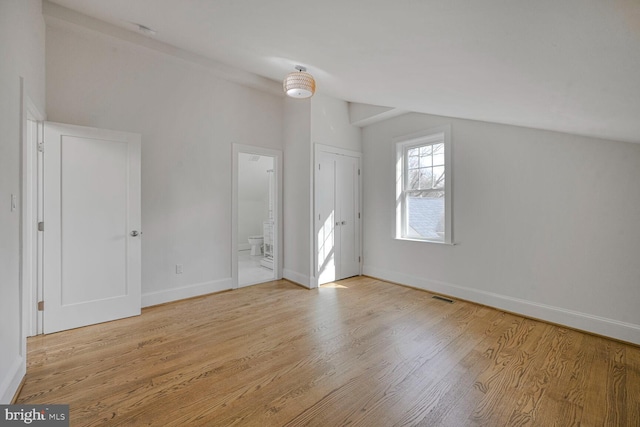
<point>326,220</point>
<point>347,208</point>
<point>337,216</point>
<point>91,226</point>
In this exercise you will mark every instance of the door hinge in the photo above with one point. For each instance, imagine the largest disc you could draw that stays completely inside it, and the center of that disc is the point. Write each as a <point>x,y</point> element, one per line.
<point>318,166</point>
<point>40,305</point>
<point>41,147</point>
<point>358,171</point>
<point>358,215</point>
<point>359,259</point>
<point>41,226</point>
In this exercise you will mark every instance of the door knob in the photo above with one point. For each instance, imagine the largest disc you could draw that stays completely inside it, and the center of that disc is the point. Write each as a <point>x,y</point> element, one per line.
<point>134,233</point>
<point>343,222</point>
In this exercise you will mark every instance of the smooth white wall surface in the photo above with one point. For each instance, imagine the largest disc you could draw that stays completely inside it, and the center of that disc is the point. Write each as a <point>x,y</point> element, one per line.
<point>188,118</point>
<point>331,125</point>
<point>545,224</point>
<point>364,114</point>
<point>22,46</point>
<point>253,196</point>
<point>297,190</point>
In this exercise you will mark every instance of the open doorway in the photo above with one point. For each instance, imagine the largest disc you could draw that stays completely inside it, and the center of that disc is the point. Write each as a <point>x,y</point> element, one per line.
<point>256,237</point>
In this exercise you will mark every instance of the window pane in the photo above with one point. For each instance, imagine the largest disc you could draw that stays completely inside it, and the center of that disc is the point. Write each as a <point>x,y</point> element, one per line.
<point>425,161</point>
<point>425,150</point>
<point>414,161</point>
<point>414,179</point>
<point>425,217</point>
<point>426,176</point>
<point>438,158</point>
<point>413,151</point>
<point>438,177</point>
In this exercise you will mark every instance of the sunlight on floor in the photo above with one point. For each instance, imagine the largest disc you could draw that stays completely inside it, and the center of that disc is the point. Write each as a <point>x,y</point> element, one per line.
<point>333,286</point>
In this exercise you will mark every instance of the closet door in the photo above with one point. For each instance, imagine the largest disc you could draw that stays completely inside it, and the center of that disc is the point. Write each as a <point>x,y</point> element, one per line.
<point>325,220</point>
<point>347,211</point>
<point>337,216</point>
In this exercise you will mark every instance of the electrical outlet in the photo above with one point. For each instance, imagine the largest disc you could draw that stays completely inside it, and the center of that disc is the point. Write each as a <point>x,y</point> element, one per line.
<point>178,268</point>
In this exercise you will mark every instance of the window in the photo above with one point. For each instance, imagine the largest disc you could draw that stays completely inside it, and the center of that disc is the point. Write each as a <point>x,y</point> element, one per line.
<point>423,186</point>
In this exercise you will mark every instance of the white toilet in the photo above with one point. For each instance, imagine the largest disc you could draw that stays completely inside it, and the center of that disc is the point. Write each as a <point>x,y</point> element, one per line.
<point>256,244</point>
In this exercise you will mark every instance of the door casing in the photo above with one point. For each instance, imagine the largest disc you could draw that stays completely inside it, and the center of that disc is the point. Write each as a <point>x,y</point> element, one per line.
<point>30,285</point>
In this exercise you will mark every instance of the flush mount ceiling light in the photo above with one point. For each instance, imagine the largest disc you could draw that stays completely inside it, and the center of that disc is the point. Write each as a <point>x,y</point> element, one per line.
<point>299,84</point>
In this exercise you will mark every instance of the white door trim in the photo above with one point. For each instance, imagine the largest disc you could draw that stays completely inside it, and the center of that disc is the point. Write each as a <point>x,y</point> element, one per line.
<point>336,150</point>
<point>277,207</point>
<point>31,318</point>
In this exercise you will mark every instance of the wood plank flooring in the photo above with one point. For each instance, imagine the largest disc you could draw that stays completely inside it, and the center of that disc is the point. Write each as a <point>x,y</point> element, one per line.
<point>361,352</point>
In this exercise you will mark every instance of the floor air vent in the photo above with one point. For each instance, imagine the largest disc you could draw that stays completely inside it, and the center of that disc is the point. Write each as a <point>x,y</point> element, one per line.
<point>438,297</point>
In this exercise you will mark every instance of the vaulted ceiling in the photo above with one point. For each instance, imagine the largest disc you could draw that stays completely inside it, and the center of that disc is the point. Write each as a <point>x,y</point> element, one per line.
<point>566,65</point>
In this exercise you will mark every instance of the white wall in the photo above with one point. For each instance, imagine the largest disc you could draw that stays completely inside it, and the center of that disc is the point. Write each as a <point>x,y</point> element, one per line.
<point>253,196</point>
<point>331,125</point>
<point>297,190</point>
<point>22,55</point>
<point>188,118</point>
<point>545,224</point>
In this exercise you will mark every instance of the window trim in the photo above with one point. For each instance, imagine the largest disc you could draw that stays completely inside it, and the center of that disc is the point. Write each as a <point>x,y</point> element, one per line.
<point>401,145</point>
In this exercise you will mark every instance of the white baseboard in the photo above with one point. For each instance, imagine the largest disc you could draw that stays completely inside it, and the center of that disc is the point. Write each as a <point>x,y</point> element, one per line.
<point>296,277</point>
<point>583,321</point>
<point>313,282</point>
<point>160,297</point>
<point>11,382</point>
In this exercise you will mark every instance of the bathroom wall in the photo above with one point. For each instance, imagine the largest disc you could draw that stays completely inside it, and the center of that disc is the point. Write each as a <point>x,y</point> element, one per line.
<point>253,196</point>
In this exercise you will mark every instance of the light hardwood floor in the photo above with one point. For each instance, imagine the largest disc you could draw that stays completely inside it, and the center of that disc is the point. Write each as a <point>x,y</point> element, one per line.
<point>365,352</point>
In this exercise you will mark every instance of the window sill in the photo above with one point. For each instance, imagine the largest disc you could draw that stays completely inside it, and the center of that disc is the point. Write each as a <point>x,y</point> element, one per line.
<point>437,242</point>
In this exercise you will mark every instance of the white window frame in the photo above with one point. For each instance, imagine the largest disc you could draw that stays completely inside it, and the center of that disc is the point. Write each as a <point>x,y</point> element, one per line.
<point>435,135</point>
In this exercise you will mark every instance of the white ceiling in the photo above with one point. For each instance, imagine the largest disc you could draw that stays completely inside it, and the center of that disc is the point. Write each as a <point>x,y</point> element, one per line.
<point>567,65</point>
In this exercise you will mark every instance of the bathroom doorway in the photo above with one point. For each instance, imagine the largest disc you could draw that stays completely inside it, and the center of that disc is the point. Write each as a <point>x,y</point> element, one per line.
<point>256,234</point>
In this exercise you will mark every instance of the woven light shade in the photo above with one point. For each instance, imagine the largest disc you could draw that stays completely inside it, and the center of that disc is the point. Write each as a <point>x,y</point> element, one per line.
<point>299,84</point>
